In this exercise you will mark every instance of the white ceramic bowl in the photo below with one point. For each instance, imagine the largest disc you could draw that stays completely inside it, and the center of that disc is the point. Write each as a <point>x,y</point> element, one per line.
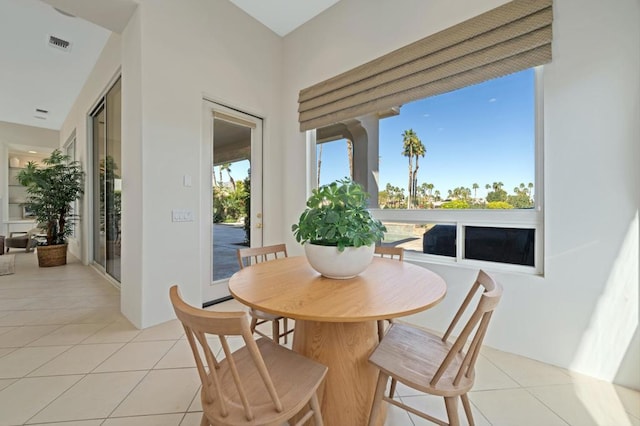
<point>332,263</point>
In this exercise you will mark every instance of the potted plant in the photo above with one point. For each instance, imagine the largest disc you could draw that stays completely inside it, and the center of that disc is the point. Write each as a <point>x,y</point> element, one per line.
<point>51,189</point>
<point>337,230</point>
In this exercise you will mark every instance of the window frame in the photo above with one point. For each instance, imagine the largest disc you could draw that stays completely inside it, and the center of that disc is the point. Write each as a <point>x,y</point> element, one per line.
<point>70,149</point>
<point>517,218</point>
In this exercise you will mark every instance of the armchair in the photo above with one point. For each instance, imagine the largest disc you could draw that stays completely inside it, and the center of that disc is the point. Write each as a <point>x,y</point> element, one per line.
<point>21,239</point>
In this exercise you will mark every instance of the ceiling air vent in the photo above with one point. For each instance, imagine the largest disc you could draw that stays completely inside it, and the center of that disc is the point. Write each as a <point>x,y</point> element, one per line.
<point>59,43</point>
<point>42,114</point>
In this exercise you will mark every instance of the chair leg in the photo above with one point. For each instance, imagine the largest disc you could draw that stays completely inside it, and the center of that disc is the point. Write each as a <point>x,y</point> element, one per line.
<point>451,402</point>
<point>315,406</point>
<point>204,421</point>
<point>380,330</point>
<point>377,398</point>
<point>392,388</point>
<point>286,329</point>
<point>467,408</point>
<point>275,330</point>
<point>254,323</point>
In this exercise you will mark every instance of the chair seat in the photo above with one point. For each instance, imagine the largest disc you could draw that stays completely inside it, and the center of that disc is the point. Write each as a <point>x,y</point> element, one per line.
<point>255,313</point>
<point>412,356</point>
<point>295,379</point>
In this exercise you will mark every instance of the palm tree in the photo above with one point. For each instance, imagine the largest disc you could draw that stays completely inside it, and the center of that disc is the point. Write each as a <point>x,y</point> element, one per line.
<point>419,151</point>
<point>429,187</point>
<point>319,162</point>
<point>408,143</point>
<point>227,168</point>
<point>475,190</point>
<point>412,148</point>
<point>498,194</point>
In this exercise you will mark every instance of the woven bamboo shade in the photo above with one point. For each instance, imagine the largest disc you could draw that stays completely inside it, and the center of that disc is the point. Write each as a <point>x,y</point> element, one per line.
<point>504,40</point>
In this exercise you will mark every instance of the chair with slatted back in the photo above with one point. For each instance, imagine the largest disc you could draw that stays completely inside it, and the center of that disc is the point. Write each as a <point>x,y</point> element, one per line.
<point>390,252</point>
<point>430,363</point>
<point>251,256</point>
<point>233,389</point>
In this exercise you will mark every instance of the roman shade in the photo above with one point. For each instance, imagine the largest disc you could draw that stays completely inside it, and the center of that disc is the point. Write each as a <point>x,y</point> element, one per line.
<point>507,39</point>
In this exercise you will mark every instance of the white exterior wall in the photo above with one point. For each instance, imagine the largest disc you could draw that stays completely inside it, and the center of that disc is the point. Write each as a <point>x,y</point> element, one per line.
<point>583,313</point>
<point>176,53</point>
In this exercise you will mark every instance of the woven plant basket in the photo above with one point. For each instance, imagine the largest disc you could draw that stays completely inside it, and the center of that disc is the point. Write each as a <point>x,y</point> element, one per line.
<point>52,255</point>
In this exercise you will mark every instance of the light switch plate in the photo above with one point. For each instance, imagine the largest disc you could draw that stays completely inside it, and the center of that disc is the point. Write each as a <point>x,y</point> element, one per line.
<point>181,215</point>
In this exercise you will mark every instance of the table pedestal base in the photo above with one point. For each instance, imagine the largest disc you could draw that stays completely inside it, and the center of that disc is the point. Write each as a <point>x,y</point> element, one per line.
<point>350,383</point>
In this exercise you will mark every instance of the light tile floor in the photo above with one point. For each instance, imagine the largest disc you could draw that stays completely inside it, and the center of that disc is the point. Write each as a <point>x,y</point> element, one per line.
<point>68,357</point>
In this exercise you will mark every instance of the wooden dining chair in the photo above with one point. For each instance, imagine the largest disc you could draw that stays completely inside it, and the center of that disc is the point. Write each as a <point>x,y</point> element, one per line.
<point>261,383</point>
<point>390,252</point>
<point>430,363</point>
<point>251,256</point>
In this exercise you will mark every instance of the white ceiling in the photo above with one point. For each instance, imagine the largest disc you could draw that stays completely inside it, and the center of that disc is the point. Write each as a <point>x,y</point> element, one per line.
<point>34,75</point>
<point>283,16</point>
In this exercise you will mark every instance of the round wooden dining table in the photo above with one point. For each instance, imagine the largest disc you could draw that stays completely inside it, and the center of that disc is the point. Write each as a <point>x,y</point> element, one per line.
<point>335,320</point>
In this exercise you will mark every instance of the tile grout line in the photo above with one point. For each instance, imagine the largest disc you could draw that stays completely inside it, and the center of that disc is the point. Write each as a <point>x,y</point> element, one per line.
<point>56,398</point>
<point>520,385</point>
<point>141,379</point>
<point>549,408</point>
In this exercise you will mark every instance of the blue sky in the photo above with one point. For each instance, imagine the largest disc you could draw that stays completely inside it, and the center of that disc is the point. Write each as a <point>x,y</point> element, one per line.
<point>483,133</point>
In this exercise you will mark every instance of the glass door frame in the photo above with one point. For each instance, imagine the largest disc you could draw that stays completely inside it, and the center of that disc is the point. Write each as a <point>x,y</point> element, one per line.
<point>101,107</point>
<point>209,109</point>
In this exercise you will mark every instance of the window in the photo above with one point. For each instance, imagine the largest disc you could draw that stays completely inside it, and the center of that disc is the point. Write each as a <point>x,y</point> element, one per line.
<point>459,175</point>
<point>470,148</point>
<point>334,160</point>
<point>479,62</point>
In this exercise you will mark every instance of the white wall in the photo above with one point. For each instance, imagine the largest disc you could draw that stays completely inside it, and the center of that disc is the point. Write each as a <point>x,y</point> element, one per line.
<point>583,313</point>
<point>175,53</point>
<point>132,167</point>
<point>103,74</point>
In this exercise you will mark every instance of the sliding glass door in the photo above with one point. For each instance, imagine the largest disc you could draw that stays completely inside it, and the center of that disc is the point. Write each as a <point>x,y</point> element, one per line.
<point>107,182</point>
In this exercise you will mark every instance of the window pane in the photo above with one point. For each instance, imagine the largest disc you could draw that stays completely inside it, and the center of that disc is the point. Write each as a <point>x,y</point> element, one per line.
<point>430,238</point>
<point>506,245</point>
<point>440,240</point>
<point>335,161</point>
<point>470,148</point>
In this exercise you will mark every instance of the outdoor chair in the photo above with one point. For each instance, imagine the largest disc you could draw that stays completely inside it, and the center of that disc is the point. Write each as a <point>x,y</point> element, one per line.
<point>429,363</point>
<point>391,253</point>
<point>251,256</point>
<point>262,383</point>
<point>22,239</point>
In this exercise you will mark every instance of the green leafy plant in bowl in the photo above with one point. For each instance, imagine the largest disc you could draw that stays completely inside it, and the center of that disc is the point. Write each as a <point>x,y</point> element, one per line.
<point>337,215</point>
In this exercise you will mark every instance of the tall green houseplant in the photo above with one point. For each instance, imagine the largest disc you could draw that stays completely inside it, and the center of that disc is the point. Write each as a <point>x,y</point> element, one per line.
<point>51,189</point>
